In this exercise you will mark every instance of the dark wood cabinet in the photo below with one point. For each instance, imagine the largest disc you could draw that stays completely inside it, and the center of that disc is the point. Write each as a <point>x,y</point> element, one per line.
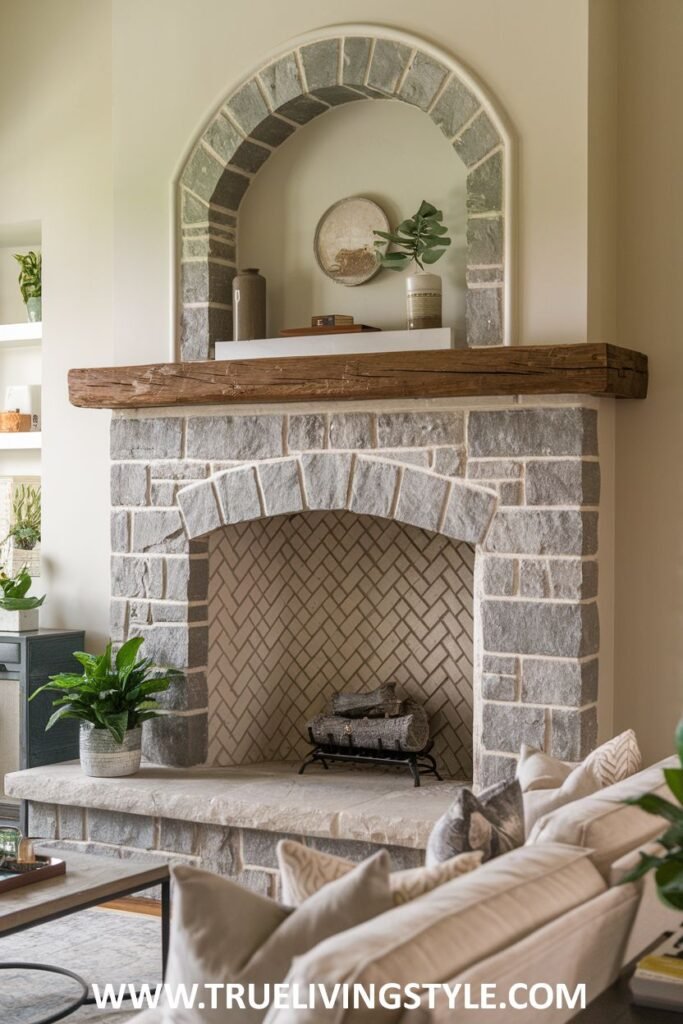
<point>27,660</point>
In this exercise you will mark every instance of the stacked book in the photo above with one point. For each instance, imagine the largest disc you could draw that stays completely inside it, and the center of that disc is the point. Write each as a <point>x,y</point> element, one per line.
<point>658,978</point>
<point>328,323</point>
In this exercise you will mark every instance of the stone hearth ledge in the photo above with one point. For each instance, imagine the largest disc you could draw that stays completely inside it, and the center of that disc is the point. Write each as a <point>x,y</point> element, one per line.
<point>374,807</point>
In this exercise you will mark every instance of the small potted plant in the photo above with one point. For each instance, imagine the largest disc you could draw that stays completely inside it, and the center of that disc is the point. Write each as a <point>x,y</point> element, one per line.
<point>18,611</point>
<point>112,698</point>
<point>668,867</point>
<point>23,539</point>
<point>420,239</point>
<point>30,283</point>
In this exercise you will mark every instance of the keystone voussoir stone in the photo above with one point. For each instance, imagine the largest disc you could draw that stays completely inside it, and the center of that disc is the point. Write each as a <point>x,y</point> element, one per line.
<point>543,532</point>
<point>234,437</point>
<point>155,438</point>
<point>421,499</point>
<point>326,479</point>
<point>373,488</point>
<point>200,508</point>
<point>534,431</point>
<point>506,726</point>
<point>469,512</point>
<point>540,627</point>
<point>281,487</point>
<point>568,683</point>
<point>419,429</point>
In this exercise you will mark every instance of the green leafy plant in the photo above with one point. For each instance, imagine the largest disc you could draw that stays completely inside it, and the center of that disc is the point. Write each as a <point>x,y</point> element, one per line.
<point>26,518</point>
<point>668,868</point>
<point>112,693</point>
<point>30,275</point>
<point>422,238</point>
<point>14,591</point>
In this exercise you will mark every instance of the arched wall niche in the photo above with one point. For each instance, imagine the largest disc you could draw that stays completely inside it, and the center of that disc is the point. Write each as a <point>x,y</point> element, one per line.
<point>310,79</point>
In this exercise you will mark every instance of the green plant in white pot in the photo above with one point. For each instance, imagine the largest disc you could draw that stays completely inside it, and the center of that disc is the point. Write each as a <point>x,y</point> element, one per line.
<point>18,611</point>
<point>112,699</point>
<point>31,283</point>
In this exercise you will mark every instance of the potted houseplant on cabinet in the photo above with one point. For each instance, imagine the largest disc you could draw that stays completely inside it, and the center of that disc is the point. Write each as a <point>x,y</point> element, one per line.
<point>18,611</point>
<point>23,539</point>
<point>30,283</point>
<point>420,239</point>
<point>112,698</point>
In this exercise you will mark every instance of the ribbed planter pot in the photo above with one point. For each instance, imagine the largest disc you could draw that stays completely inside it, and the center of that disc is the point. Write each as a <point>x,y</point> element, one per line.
<point>103,758</point>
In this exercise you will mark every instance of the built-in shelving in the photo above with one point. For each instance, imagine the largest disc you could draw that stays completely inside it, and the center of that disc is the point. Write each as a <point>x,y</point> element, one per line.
<point>20,335</point>
<point>25,440</point>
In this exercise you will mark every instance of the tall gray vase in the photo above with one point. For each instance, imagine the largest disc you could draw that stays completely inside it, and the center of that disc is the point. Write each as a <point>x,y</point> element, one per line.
<point>248,305</point>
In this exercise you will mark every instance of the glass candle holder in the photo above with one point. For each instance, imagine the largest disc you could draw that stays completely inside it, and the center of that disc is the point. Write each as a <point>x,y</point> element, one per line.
<point>10,839</point>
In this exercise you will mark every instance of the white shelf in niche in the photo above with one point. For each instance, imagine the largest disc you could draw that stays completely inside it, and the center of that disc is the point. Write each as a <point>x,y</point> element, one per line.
<point>24,440</point>
<point>20,335</point>
<point>338,344</point>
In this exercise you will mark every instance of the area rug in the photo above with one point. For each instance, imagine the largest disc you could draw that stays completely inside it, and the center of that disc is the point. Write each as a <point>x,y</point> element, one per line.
<point>100,945</point>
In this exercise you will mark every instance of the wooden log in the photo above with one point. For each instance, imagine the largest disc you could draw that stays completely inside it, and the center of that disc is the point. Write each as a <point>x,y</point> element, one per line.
<point>382,700</point>
<point>594,369</point>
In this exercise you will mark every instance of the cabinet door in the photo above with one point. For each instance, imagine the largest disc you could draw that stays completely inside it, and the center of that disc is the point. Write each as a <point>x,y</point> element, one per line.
<point>46,657</point>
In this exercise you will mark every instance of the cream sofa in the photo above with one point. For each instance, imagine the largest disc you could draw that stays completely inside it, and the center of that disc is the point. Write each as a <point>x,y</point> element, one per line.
<point>550,912</point>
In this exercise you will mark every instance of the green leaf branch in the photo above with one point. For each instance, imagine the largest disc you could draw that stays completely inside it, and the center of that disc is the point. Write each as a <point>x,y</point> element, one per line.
<point>14,592</point>
<point>422,239</point>
<point>30,275</point>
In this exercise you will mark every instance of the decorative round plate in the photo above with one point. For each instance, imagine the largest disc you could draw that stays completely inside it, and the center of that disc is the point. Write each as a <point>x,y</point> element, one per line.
<point>344,240</point>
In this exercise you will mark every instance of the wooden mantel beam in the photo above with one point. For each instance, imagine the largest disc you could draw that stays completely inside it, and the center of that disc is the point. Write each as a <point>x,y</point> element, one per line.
<point>515,370</point>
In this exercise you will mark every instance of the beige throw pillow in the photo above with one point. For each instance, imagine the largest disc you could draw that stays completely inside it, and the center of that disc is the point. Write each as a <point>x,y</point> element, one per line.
<point>304,871</point>
<point>224,933</point>
<point>617,759</point>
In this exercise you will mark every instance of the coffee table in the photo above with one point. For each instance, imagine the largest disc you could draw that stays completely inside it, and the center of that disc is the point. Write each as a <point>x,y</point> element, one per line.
<point>89,881</point>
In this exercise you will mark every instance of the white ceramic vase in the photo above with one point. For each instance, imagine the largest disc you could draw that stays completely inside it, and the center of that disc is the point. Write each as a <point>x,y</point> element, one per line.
<point>103,758</point>
<point>423,300</point>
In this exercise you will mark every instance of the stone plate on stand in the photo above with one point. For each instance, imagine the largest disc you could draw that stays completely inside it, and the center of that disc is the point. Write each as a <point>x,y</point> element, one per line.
<point>344,243</point>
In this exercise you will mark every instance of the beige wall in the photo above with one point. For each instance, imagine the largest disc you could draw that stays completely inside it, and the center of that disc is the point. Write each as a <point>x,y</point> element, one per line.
<point>649,537</point>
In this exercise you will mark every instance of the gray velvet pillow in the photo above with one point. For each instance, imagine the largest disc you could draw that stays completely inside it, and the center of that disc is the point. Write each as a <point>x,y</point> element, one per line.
<point>492,822</point>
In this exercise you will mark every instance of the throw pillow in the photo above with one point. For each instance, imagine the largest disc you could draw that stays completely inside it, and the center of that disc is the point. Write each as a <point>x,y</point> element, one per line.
<point>617,759</point>
<point>492,821</point>
<point>541,799</point>
<point>222,932</point>
<point>304,871</point>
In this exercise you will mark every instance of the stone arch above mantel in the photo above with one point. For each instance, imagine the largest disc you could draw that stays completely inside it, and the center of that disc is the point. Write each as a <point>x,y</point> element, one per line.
<point>309,79</point>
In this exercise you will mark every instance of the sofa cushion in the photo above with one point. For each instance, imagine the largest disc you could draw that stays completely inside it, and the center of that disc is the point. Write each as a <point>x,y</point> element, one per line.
<point>602,822</point>
<point>304,870</point>
<point>492,821</point>
<point>444,932</point>
<point>548,783</point>
<point>224,933</point>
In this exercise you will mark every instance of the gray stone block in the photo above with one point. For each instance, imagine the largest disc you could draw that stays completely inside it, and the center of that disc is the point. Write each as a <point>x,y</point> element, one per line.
<point>532,431</point>
<point>202,173</point>
<point>248,107</point>
<point>493,769</point>
<point>306,432</point>
<point>573,733</point>
<point>234,437</point>
<point>137,577</point>
<point>207,280</point>
<point>163,493</point>
<point>259,848</point>
<point>449,461</point>
<point>186,579</point>
<point>506,726</point>
<point>128,483</point>
<point>273,130</point>
<point>200,328</point>
<point>484,275</point>
<point>510,492</point>
<point>421,499</point>
<point>563,483</point>
<point>281,487</point>
<point>176,741</point>
<point>355,60</point>
<point>121,829</point>
<point>498,687</point>
<point>408,456</point>
<point>419,429</point>
<point>205,246</point>
<point>120,532</point>
<point>454,108</point>
<point>159,530</point>
<point>423,81</point>
<point>485,240</point>
<point>496,664</point>
<point>303,109</point>
<point>118,620</point>
<point>176,611</point>
<point>351,430</point>
<point>42,820</point>
<point>194,211</point>
<point>238,495</point>
<point>573,579</point>
<point>569,683</point>
<point>500,577</point>
<point>335,95</point>
<point>478,139</point>
<point>484,316</point>
<point>469,513</point>
<point>71,822</point>
<point>200,508</point>
<point>176,646</point>
<point>262,882</point>
<point>177,836</point>
<point>249,157</point>
<point>373,488</point>
<point>321,63</point>
<point>494,469</point>
<point>223,137</point>
<point>326,479</point>
<point>534,580</point>
<point>178,469</point>
<point>540,627</point>
<point>281,80</point>
<point>387,65</point>
<point>140,613</point>
<point>157,438</point>
<point>216,847</point>
<point>188,692</point>
<point>543,532</point>
<point>485,186</point>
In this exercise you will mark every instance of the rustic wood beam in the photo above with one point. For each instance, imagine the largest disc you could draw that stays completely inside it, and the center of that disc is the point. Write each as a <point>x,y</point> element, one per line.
<point>514,370</point>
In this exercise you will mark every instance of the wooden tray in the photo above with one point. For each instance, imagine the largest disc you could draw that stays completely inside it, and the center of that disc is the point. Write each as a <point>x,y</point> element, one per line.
<point>305,332</point>
<point>26,874</point>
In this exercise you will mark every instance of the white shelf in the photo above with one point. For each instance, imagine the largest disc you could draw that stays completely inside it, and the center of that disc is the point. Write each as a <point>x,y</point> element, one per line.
<point>24,440</point>
<point>337,344</point>
<point>19,335</point>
